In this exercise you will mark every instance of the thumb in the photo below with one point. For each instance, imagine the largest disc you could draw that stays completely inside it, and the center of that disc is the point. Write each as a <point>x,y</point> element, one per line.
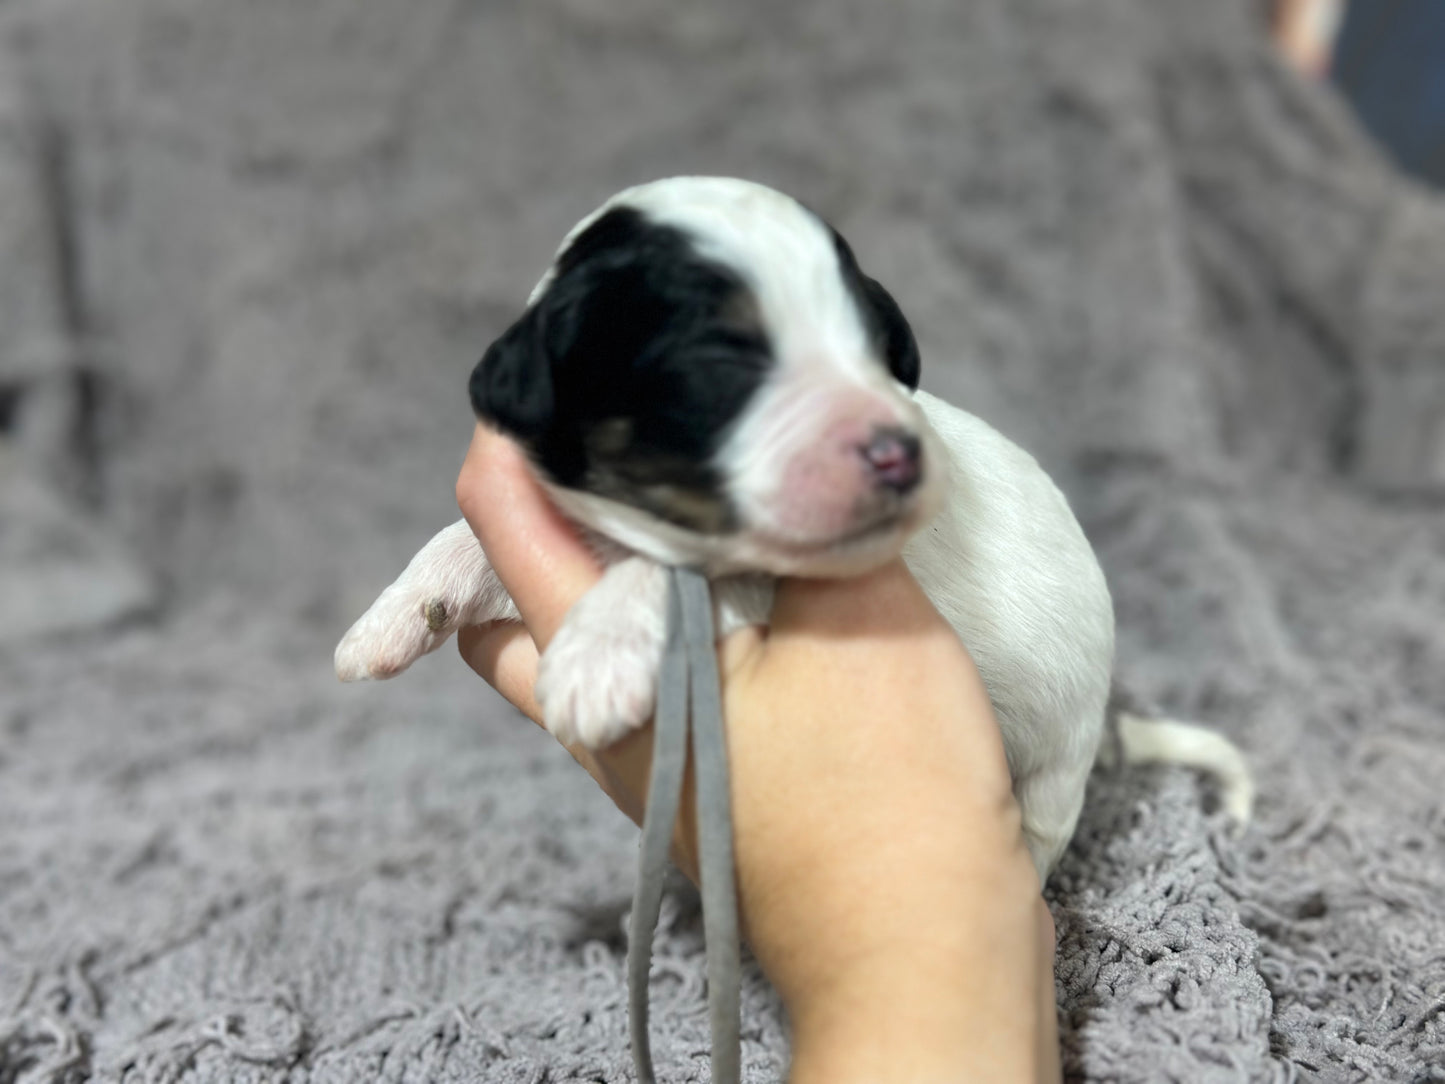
<point>537,554</point>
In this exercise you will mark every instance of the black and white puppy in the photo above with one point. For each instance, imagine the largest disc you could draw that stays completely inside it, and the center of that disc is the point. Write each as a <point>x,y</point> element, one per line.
<point>705,377</point>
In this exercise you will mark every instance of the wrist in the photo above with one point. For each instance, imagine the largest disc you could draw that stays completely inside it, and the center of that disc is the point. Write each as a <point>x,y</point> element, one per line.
<point>953,994</point>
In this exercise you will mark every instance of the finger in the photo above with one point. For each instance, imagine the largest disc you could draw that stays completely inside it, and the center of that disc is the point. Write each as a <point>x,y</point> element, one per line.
<point>536,553</point>
<point>503,653</point>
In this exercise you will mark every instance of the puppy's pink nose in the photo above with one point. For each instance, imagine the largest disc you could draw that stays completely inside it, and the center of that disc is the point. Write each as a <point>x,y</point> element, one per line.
<point>893,456</point>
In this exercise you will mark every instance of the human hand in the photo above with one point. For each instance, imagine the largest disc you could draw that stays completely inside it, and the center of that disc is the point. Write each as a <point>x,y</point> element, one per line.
<point>882,877</point>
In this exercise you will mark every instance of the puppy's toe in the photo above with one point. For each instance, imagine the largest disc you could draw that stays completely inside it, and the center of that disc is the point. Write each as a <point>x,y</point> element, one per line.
<point>391,636</point>
<point>594,691</point>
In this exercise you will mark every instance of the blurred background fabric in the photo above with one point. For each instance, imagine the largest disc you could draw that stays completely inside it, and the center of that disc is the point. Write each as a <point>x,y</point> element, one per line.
<point>1389,60</point>
<point>248,255</point>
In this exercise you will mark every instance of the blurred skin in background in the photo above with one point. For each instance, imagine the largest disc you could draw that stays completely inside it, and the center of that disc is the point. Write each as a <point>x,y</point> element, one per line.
<point>1304,31</point>
<point>1386,59</point>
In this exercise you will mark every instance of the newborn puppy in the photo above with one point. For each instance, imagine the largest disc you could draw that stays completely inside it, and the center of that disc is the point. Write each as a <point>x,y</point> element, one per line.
<point>705,377</point>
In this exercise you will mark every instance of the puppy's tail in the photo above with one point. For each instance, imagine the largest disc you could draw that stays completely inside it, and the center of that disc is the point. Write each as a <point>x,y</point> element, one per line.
<point>1146,740</point>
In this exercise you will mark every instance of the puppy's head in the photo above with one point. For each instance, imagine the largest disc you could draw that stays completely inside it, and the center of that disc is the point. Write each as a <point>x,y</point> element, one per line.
<point>705,375</point>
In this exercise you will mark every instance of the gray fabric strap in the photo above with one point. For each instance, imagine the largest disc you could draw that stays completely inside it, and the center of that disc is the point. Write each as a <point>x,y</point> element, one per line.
<point>714,827</point>
<point>669,755</point>
<point>689,678</point>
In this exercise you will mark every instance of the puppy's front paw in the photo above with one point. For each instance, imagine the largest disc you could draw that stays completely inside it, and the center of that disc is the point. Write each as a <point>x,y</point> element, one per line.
<point>400,628</point>
<point>595,686</point>
<point>597,680</point>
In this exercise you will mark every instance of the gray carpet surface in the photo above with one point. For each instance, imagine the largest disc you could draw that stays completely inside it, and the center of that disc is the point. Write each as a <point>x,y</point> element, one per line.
<point>248,253</point>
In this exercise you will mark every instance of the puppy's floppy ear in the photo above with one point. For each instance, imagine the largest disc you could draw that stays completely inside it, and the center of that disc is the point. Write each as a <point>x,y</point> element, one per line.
<point>883,316</point>
<point>511,387</point>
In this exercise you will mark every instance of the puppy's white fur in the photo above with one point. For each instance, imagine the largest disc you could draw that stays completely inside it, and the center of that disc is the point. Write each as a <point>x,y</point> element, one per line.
<point>1004,560</point>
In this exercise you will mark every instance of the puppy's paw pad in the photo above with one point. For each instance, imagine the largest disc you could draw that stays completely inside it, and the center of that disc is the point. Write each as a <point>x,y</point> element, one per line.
<point>596,690</point>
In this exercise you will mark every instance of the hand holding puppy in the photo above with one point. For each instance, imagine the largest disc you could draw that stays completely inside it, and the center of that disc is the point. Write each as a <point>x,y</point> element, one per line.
<point>883,879</point>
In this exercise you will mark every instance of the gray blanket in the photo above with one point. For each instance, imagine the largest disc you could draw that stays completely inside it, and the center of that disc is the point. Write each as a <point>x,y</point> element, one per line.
<point>248,253</point>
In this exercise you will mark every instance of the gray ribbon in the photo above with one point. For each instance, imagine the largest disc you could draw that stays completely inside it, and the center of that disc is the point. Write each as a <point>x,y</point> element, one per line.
<point>689,678</point>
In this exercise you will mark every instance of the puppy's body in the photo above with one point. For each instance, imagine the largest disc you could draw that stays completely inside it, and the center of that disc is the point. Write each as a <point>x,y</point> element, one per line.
<point>704,377</point>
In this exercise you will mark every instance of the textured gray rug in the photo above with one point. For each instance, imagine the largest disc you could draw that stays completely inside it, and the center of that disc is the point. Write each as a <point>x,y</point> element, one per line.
<point>247,255</point>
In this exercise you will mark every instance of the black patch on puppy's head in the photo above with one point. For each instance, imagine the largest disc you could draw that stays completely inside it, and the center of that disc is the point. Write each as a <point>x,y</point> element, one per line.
<point>882,316</point>
<point>624,376</point>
